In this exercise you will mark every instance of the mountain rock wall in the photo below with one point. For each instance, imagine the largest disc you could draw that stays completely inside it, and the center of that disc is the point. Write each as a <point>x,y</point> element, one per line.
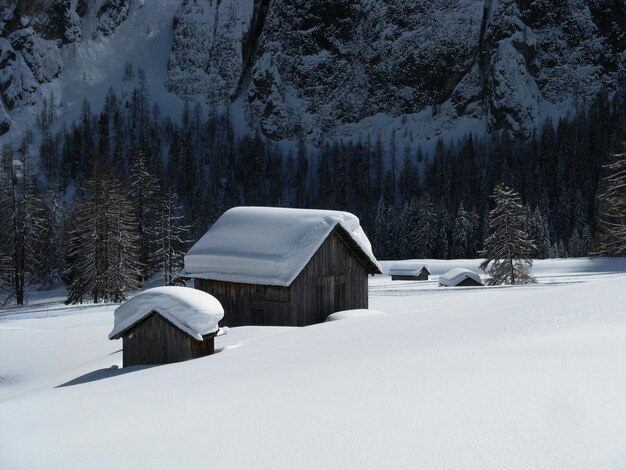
<point>313,67</point>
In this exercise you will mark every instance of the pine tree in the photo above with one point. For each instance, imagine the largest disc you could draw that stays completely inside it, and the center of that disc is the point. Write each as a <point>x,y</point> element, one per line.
<point>53,240</point>
<point>25,219</point>
<point>144,188</point>
<point>425,237</point>
<point>103,245</point>
<point>508,247</point>
<point>172,237</point>
<point>124,267</point>
<point>6,264</point>
<point>460,233</point>
<point>538,230</point>
<point>611,240</point>
<point>383,239</point>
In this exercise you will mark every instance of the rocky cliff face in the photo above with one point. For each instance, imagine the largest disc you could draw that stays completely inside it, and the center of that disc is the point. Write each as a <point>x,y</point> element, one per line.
<point>329,67</point>
<point>33,34</point>
<point>319,65</point>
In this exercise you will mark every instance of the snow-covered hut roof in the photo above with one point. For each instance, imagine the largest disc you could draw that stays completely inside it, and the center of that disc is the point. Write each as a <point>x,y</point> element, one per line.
<point>407,268</point>
<point>193,311</point>
<point>270,246</point>
<point>457,275</point>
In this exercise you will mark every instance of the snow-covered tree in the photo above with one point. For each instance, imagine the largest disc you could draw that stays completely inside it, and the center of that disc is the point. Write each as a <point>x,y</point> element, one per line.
<point>6,265</point>
<point>172,238</point>
<point>611,240</point>
<point>508,247</point>
<point>424,240</point>
<point>144,188</point>
<point>538,231</point>
<point>461,232</point>
<point>24,214</point>
<point>103,245</point>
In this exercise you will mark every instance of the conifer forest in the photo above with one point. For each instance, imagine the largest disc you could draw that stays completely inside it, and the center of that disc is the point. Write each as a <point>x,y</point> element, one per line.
<point>111,200</point>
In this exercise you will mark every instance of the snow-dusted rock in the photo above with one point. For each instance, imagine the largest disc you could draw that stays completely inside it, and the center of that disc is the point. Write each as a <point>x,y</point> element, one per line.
<point>42,56</point>
<point>5,121</point>
<point>110,15</point>
<point>207,52</point>
<point>342,67</point>
<point>18,85</point>
<point>193,311</point>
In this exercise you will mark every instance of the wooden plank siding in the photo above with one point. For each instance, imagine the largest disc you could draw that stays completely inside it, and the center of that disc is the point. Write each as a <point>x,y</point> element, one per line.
<point>334,279</point>
<point>250,304</point>
<point>422,276</point>
<point>468,283</point>
<point>155,340</point>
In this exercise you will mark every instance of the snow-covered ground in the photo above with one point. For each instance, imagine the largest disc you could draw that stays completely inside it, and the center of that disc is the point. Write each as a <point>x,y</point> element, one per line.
<point>512,377</point>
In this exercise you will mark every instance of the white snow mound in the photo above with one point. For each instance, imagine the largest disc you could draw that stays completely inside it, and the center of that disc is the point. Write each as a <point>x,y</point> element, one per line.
<point>193,311</point>
<point>355,313</point>
<point>267,245</point>
<point>457,275</point>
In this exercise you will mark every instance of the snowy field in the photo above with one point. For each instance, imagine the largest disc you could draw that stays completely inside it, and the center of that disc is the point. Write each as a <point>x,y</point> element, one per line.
<point>477,377</point>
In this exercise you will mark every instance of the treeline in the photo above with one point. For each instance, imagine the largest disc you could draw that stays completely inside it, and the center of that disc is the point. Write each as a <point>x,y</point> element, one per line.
<point>120,194</point>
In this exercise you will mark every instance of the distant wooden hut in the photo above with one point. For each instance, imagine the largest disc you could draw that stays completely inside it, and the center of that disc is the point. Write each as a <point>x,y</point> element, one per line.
<point>167,324</point>
<point>460,277</point>
<point>409,271</point>
<point>283,267</point>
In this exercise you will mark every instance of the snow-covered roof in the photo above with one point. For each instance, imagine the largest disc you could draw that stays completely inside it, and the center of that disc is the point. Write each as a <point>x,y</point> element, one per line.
<point>407,268</point>
<point>193,311</point>
<point>457,275</point>
<point>269,246</point>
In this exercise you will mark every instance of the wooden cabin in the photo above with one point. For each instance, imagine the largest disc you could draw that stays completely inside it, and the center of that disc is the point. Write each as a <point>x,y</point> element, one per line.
<point>166,325</point>
<point>460,277</point>
<point>407,271</point>
<point>283,267</point>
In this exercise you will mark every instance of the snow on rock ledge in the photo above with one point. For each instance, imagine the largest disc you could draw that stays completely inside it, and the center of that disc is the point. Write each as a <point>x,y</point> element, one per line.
<point>267,245</point>
<point>194,312</point>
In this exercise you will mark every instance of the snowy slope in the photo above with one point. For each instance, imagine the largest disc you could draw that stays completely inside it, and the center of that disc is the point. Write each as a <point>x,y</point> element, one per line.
<point>88,64</point>
<point>528,377</point>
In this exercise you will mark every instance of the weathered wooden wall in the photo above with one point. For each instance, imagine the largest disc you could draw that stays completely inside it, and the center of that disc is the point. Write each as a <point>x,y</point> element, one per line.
<point>250,304</point>
<point>422,276</point>
<point>155,340</point>
<point>335,279</point>
<point>468,282</point>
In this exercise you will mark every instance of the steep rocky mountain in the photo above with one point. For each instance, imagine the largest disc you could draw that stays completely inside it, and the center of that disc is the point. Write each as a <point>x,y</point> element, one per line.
<point>332,68</point>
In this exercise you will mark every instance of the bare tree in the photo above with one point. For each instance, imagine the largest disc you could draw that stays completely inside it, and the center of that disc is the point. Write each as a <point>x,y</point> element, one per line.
<point>611,238</point>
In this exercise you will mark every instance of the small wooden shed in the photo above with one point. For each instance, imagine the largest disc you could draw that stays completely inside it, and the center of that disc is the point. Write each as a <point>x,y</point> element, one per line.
<point>409,271</point>
<point>460,277</point>
<point>283,267</point>
<point>167,324</point>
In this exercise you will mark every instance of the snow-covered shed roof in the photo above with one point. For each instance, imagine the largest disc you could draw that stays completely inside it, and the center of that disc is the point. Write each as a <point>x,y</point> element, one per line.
<point>270,246</point>
<point>457,275</point>
<point>193,311</point>
<point>407,268</point>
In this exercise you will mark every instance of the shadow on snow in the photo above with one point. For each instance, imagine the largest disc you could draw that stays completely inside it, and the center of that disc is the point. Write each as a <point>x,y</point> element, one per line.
<point>101,374</point>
